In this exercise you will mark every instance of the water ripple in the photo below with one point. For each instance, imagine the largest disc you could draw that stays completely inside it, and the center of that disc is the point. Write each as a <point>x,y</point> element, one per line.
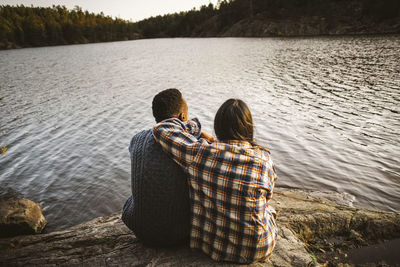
<point>328,108</point>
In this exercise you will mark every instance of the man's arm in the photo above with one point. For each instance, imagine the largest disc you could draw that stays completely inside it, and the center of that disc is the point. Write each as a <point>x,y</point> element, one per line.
<point>179,139</point>
<point>272,177</point>
<point>207,136</point>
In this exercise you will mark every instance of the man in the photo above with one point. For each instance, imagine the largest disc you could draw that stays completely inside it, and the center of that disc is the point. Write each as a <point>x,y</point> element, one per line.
<point>158,212</point>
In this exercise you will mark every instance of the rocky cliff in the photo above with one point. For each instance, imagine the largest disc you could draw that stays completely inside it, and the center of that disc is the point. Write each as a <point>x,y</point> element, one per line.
<point>313,18</point>
<point>306,26</point>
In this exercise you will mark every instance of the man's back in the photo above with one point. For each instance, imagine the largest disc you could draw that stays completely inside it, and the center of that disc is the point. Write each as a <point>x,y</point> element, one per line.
<point>158,211</point>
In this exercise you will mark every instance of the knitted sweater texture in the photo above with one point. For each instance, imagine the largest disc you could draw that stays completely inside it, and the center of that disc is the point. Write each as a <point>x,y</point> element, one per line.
<point>158,212</point>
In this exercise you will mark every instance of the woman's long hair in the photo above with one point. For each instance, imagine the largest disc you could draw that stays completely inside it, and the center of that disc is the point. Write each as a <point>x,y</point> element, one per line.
<point>233,121</point>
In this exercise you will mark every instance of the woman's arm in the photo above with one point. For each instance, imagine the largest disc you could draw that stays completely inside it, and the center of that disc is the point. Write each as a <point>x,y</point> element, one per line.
<point>179,139</point>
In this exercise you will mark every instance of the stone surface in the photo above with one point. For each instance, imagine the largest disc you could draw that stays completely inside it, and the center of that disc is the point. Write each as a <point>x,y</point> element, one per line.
<point>107,241</point>
<point>307,225</point>
<point>289,250</point>
<point>331,231</point>
<point>319,218</point>
<point>20,217</point>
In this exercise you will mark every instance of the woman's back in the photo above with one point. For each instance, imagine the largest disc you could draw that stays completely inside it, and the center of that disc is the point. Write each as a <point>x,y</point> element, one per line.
<point>230,186</point>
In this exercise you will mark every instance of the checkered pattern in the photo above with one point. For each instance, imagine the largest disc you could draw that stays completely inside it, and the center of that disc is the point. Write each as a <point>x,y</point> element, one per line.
<point>230,186</point>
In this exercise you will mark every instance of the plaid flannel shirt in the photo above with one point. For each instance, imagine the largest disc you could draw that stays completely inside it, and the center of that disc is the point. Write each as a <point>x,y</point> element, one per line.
<point>230,186</point>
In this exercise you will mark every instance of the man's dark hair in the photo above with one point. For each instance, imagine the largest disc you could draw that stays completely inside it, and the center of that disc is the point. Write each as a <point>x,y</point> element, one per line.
<point>167,104</point>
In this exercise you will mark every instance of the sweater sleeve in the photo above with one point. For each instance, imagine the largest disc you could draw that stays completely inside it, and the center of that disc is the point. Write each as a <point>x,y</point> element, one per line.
<point>179,139</point>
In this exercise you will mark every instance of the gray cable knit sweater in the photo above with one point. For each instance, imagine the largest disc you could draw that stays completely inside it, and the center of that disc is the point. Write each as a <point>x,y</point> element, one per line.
<point>158,212</point>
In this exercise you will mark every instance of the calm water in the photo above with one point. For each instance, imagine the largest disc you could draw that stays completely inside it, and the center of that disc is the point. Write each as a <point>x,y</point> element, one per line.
<point>328,108</point>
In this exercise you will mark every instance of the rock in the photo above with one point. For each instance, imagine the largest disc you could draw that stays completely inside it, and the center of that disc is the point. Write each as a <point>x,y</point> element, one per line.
<point>357,237</point>
<point>20,217</point>
<point>289,250</point>
<point>107,241</point>
<point>318,218</point>
<point>306,224</point>
<point>328,229</point>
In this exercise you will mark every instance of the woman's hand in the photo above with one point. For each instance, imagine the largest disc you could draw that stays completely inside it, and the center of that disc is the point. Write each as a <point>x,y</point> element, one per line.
<point>207,136</point>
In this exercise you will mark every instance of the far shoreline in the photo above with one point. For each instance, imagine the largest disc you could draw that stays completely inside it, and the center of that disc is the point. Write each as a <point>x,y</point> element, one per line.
<point>343,35</point>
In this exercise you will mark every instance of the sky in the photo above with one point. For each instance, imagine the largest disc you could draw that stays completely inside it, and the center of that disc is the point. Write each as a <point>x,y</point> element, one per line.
<point>126,9</point>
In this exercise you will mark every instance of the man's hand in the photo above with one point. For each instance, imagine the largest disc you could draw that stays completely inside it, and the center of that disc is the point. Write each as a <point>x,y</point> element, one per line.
<point>207,136</point>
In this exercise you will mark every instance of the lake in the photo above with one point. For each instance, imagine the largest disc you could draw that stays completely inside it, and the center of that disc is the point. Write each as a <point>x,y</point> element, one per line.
<point>328,108</point>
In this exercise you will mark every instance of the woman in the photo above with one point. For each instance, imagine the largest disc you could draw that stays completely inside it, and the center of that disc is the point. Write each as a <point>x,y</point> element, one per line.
<point>231,182</point>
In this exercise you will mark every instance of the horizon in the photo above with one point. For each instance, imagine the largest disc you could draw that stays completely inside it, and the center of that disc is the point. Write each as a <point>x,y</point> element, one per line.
<point>133,11</point>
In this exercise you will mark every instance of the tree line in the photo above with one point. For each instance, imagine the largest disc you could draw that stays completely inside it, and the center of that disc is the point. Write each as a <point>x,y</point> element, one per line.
<point>22,26</point>
<point>214,20</point>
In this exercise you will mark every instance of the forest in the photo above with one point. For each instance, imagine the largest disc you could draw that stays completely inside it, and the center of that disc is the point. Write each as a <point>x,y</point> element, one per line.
<point>253,18</point>
<point>22,26</point>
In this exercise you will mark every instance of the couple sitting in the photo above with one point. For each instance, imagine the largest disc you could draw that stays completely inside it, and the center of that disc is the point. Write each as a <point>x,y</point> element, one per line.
<point>187,184</point>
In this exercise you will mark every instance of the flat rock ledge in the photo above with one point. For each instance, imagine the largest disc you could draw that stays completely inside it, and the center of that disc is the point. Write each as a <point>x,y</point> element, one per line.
<point>309,227</point>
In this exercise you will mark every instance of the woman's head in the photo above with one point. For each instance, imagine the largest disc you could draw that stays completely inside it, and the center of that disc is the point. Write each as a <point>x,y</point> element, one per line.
<point>233,121</point>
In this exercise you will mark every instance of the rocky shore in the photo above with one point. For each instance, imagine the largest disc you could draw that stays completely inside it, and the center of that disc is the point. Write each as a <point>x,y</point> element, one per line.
<point>307,26</point>
<point>312,230</point>
<point>262,25</point>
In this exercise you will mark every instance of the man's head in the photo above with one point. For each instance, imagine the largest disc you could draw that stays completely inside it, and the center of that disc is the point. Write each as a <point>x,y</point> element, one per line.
<point>169,104</point>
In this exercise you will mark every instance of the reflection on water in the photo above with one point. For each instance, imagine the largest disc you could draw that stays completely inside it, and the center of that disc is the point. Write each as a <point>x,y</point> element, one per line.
<point>328,108</point>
